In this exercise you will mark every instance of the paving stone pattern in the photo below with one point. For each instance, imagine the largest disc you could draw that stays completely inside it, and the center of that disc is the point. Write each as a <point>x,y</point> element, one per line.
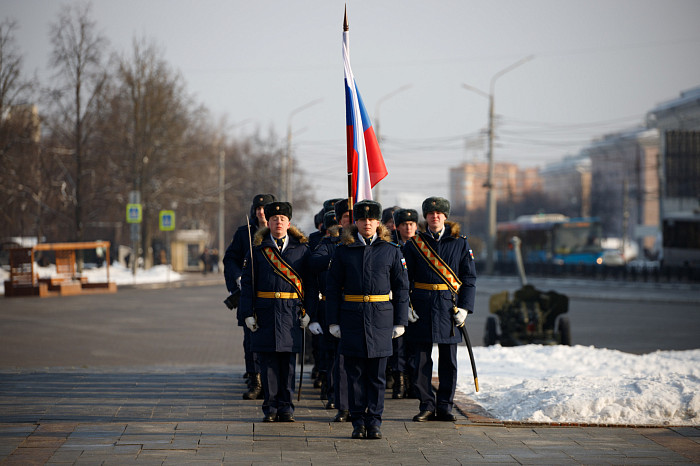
<point>175,416</point>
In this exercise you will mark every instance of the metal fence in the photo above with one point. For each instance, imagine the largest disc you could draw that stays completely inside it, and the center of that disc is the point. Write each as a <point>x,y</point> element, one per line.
<point>635,273</point>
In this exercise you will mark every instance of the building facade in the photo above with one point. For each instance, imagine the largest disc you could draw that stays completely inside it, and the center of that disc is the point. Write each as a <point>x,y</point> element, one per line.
<point>625,185</point>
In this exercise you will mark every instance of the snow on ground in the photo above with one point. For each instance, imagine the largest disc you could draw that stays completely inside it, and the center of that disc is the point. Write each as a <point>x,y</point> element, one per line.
<point>584,384</point>
<point>117,274</point>
<point>547,383</point>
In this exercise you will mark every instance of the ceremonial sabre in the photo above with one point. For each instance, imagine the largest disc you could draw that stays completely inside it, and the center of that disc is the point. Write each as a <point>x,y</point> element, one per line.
<point>303,355</point>
<point>463,329</point>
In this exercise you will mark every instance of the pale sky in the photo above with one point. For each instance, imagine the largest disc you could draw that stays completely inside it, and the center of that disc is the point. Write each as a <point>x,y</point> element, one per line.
<point>598,67</point>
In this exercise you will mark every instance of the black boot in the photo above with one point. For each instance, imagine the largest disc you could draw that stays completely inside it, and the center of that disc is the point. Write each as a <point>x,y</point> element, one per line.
<point>399,390</point>
<point>254,388</point>
<point>323,385</point>
<point>389,379</point>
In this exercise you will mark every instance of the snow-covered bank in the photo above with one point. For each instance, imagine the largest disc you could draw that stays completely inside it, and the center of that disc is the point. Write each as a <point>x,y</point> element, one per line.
<point>584,384</point>
<point>117,274</point>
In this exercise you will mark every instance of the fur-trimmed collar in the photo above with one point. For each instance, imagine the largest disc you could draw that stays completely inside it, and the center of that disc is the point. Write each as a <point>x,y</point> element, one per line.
<point>293,231</point>
<point>334,231</point>
<point>350,234</point>
<point>453,228</point>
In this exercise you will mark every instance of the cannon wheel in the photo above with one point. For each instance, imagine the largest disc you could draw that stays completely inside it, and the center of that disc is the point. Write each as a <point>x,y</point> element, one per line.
<point>490,335</point>
<point>564,329</point>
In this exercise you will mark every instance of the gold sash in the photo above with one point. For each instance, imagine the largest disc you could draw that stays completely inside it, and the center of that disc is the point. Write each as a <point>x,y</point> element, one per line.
<point>283,269</point>
<point>437,264</point>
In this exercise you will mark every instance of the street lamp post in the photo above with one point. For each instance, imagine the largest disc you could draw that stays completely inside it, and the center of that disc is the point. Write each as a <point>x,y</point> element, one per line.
<point>376,121</point>
<point>287,163</point>
<point>491,193</point>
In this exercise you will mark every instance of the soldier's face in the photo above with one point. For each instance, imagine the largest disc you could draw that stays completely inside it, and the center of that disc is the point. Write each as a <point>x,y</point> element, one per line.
<point>279,224</point>
<point>367,226</point>
<point>390,224</point>
<point>260,213</point>
<point>407,230</point>
<point>436,220</point>
<point>345,220</point>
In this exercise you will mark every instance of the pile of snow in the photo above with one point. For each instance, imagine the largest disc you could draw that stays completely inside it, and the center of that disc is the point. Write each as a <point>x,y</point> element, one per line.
<point>117,274</point>
<point>124,276</point>
<point>582,384</point>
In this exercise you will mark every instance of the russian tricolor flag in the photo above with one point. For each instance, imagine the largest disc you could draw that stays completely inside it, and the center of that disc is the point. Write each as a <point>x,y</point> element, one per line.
<point>365,160</point>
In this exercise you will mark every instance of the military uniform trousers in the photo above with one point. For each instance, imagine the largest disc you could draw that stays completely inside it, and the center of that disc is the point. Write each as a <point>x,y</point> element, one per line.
<point>338,380</point>
<point>397,360</point>
<point>447,376</point>
<point>251,362</point>
<point>277,374</point>
<point>366,388</point>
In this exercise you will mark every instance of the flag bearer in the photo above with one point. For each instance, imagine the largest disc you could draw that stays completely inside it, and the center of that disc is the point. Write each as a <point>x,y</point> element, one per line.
<point>336,378</point>
<point>441,269</point>
<point>365,269</point>
<point>272,305</point>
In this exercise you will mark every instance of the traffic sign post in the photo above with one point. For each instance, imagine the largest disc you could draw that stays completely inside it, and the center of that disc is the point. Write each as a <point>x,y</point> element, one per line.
<point>166,223</point>
<point>134,214</point>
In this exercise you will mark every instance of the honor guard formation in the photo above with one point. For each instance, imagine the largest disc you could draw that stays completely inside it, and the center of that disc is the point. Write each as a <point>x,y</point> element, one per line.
<point>373,289</point>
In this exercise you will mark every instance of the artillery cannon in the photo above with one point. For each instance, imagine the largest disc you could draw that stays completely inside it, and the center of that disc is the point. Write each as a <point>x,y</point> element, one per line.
<point>532,316</point>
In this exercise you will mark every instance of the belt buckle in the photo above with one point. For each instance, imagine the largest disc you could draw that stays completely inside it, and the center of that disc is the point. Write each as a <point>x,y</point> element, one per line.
<point>435,287</point>
<point>277,294</point>
<point>365,298</point>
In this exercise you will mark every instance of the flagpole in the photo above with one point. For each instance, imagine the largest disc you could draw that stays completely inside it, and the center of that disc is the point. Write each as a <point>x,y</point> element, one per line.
<point>346,28</point>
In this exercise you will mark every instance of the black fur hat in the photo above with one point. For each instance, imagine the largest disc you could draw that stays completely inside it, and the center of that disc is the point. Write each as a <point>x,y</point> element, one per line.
<point>436,204</point>
<point>262,199</point>
<point>367,209</point>
<point>329,219</point>
<point>340,208</point>
<point>330,204</point>
<point>318,218</point>
<point>405,215</point>
<point>388,214</point>
<point>278,208</point>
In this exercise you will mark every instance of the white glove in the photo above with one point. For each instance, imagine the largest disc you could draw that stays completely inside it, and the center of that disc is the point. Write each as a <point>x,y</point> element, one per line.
<point>315,328</point>
<point>304,321</point>
<point>335,330</point>
<point>252,323</point>
<point>460,316</point>
<point>397,331</point>
<point>412,315</point>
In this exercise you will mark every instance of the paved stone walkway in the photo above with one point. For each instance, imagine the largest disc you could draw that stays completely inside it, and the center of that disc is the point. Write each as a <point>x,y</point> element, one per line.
<point>196,416</point>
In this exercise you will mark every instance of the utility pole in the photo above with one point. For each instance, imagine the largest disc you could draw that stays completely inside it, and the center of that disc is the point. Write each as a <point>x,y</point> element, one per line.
<point>489,185</point>
<point>222,191</point>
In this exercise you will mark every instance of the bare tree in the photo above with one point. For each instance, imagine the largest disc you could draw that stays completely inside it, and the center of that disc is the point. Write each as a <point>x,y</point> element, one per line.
<point>162,141</point>
<point>20,176</point>
<point>80,82</point>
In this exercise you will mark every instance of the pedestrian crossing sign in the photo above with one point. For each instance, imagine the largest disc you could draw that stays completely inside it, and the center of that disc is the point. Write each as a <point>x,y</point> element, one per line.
<point>166,220</point>
<point>133,213</point>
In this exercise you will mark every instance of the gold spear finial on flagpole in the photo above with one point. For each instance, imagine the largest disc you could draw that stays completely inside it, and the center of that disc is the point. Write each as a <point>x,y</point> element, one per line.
<point>345,19</point>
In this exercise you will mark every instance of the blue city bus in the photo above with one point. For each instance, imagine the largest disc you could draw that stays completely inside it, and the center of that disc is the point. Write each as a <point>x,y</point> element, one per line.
<point>552,239</point>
